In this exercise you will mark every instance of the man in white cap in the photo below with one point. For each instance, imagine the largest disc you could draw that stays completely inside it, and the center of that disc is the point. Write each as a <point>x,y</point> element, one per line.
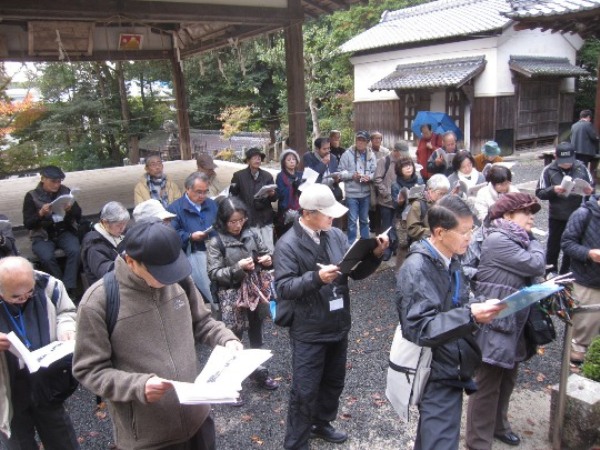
<point>307,276</point>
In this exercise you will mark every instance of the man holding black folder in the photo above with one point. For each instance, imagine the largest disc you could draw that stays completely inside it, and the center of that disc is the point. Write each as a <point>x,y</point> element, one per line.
<point>309,273</point>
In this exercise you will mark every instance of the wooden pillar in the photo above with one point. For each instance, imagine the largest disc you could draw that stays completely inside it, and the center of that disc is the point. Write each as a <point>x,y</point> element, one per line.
<point>183,118</point>
<point>294,67</point>
<point>597,107</point>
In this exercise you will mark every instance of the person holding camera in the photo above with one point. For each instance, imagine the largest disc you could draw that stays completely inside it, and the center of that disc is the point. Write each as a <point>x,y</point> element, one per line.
<point>357,167</point>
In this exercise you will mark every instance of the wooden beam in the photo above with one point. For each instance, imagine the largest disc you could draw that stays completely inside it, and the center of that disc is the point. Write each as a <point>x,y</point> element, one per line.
<point>316,6</point>
<point>115,55</point>
<point>340,4</point>
<point>159,12</point>
<point>204,46</point>
<point>183,118</point>
<point>294,67</point>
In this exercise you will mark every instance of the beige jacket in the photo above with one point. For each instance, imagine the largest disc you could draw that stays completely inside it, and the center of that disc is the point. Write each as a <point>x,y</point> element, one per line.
<point>383,181</point>
<point>154,335</point>
<point>141,193</point>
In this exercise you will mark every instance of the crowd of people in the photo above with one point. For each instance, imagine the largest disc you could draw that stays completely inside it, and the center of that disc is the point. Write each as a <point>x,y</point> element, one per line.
<point>200,266</point>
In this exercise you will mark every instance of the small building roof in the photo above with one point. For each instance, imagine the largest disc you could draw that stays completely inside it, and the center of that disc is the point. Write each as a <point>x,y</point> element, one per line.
<point>432,74</point>
<point>434,21</point>
<point>544,66</point>
<point>567,16</point>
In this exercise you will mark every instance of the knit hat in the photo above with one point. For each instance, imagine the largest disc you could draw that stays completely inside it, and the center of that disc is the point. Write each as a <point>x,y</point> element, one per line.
<point>513,201</point>
<point>286,152</point>
<point>491,149</point>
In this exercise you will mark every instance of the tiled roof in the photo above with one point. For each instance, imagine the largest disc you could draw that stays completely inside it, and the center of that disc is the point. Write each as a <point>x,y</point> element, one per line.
<point>538,66</point>
<point>540,8</point>
<point>432,74</point>
<point>441,19</point>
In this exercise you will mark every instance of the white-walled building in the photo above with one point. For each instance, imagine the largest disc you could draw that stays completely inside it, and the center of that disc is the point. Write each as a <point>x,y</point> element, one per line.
<point>464,57</point>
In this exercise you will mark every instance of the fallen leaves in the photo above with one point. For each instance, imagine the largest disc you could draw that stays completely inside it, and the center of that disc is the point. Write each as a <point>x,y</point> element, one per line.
<point>256,440</point>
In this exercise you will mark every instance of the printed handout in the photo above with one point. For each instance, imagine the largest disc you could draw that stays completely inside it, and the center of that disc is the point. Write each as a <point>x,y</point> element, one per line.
<point>221,379</point>
<point>42,357</point>
<point>263,191</point>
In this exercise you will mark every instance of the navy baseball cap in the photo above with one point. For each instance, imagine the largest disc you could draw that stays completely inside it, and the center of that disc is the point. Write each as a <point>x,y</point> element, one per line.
<point>364,135</point>
<point>565,153</point>
<point>158,247</point>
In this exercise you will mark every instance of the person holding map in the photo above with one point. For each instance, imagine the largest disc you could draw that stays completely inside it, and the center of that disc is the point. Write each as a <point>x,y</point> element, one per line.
<point>510,259</point>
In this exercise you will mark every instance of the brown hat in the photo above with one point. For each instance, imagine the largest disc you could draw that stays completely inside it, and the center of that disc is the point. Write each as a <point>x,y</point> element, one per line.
<point>513,201</point>
<point>205,161</point>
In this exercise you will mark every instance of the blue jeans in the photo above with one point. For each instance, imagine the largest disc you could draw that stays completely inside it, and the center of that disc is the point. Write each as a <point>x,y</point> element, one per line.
<point>44,250</point>
<point>358,209</point>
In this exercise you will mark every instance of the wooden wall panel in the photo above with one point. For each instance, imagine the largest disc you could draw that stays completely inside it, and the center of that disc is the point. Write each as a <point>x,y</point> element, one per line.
<point>567,111</point>
<point>482,122</point>
<point>505,112</point>
<point>383,116</point>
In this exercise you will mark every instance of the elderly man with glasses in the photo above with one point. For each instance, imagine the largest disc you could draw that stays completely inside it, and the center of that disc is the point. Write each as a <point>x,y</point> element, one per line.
<point>53,226</point>
<point>195,215</point>
<point>36,307</point>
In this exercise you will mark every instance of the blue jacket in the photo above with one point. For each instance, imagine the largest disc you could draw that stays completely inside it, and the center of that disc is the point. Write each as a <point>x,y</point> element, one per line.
<point>190,220</point>
<point>581,235</point>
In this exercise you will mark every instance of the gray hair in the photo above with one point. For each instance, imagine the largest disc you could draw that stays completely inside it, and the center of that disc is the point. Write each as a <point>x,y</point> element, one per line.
<point>114,212</point>
<point>449,133</point>
<point>192,177</point>
<point>438,182</point>
<point>150,158</point>
<point>12,265</point>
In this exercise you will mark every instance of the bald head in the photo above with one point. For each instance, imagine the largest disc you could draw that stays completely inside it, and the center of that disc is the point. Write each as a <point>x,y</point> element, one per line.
<point>16,279</point>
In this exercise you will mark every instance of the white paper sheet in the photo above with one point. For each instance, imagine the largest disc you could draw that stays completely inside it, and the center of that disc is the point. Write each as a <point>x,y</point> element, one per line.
<point>310,176</point>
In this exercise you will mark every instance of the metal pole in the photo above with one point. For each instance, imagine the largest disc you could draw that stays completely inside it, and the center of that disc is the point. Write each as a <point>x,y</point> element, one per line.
<point>557,426</point>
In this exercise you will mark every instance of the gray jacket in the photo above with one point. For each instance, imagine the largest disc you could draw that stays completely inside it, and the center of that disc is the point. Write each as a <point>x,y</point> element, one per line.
<point>350,163</point>
<point>505,267</point>
<point>584,138</point>
<point>385,176</point>
<point>225,268</point>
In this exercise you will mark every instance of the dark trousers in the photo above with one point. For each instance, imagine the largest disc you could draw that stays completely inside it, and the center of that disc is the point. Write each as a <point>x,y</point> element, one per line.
<point>556,229</point>
<point>204,439</point>
<point>487,412</point>
<point>52,423</point>
<point>69,243</point>
<point>319,371</point>
<point>387,221</point>
<point>255,328</point>
<point>439,417</point>
<point>589,161</point>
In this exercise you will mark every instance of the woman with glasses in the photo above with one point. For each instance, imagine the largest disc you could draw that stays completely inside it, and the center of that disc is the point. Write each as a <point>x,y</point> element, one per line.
<point>234,253</point>
<point>101,246</point>
<point>195,214</point>
<point>510,260</point>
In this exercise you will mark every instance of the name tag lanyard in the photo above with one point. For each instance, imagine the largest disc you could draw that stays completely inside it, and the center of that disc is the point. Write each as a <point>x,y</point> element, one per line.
<point>19,326</point>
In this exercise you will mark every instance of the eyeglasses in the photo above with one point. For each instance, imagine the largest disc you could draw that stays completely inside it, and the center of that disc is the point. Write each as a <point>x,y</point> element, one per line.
<point>237,222</point>
<point>206,192</point>
<point>464,234</point>
<point>25,296</point>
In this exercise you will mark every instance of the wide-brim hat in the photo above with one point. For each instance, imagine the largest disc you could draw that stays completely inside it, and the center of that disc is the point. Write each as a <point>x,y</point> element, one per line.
<point>158,247</point>
<point>513,201</point>
<point>318,197</point>
<point>253,151</point>
<point>565,153</point>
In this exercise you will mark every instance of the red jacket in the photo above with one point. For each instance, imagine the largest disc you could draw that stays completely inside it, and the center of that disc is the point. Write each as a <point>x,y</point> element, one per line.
<point>423,153</point>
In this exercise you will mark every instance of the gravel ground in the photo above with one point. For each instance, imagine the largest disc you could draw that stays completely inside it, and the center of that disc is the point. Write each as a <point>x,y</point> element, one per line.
<point>364,411</point>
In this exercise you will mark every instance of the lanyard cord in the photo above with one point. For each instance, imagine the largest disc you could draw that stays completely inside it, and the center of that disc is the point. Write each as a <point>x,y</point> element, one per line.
<point>19,327</point>
<point>456,294</point>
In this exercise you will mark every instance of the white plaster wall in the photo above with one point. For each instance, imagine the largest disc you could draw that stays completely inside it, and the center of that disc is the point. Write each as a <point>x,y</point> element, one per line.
<point>495,79</point>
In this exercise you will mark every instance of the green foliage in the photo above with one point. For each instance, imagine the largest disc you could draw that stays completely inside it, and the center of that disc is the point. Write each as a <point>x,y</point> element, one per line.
<point>588,58</point>
<point>591,365</point>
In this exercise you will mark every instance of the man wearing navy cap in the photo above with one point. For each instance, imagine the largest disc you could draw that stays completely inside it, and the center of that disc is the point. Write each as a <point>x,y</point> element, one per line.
<point>160,319</point>
<point>561,205</point>
<point>51,228</point>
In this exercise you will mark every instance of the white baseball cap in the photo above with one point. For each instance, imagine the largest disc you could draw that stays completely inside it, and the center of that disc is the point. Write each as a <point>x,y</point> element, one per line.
<point>318,197</point>
<point>151,209</point>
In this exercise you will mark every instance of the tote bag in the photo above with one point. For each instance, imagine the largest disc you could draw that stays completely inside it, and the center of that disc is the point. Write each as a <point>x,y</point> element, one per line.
<point>407,375</point>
